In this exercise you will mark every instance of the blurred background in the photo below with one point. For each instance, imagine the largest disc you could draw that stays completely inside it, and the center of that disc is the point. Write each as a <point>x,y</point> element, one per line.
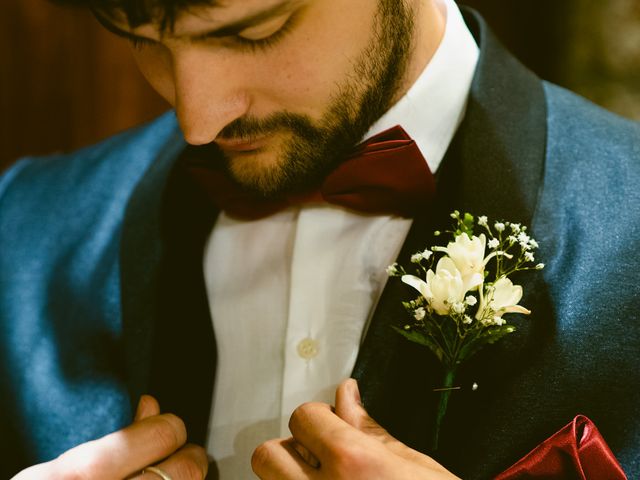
<point>65,82</point>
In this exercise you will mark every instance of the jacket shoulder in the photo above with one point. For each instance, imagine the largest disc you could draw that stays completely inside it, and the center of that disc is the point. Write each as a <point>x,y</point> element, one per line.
<point>126,155</point>
<point>577,125</point>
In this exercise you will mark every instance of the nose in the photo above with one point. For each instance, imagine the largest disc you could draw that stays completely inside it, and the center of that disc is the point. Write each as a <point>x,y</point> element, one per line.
<point>207,95</point>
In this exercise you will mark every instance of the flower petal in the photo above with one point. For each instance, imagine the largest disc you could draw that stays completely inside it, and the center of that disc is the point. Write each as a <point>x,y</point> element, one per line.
<point>417,283</point>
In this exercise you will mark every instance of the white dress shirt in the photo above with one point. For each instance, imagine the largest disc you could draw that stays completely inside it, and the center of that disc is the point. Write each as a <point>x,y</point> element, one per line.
<point>291,294</point>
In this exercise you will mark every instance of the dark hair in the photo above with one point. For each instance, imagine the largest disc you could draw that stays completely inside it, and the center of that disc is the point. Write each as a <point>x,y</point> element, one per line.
<point>138,12</point>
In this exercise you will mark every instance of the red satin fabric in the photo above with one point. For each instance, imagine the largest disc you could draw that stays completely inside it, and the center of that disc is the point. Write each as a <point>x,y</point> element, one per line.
<point>386,174</point>
<point>578,452</point>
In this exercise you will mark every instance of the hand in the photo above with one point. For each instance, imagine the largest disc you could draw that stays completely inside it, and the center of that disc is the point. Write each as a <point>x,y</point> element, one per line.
<point>151,438</point>
<point>342,444</point>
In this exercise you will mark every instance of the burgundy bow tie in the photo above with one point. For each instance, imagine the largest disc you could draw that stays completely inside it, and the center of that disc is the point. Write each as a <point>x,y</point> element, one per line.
<point>387,174</point>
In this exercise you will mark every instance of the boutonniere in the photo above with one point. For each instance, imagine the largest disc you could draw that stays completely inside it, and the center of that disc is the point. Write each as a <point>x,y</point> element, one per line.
<point>464,299</point>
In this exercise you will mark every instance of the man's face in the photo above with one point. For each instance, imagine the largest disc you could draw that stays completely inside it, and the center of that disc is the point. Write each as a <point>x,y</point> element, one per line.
<point>283,87</point>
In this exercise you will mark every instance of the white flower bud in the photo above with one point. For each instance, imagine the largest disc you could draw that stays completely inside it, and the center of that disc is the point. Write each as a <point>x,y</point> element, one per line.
<point>499,321</point>
<point>540,266</point>
<point>499,226</point>
<point>416,258</point>
<point>458,308</point>
<point>392,270</point>
<point>471,300</point>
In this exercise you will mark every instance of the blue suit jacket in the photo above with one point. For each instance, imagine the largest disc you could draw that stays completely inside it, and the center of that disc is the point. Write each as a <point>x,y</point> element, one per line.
<point>102,299</point>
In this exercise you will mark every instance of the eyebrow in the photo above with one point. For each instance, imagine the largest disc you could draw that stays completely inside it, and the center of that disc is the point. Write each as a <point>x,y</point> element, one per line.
<point>232,28</point>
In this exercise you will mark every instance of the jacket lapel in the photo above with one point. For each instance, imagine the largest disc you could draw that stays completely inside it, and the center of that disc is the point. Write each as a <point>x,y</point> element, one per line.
<point>169,337</point>
<point>494,167</point>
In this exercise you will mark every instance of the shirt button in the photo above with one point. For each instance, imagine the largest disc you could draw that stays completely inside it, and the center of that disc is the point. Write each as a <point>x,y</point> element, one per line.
<point>308,348</point>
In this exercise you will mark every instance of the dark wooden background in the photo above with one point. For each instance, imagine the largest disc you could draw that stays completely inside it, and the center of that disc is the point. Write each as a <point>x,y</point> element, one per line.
<point>65,82</point>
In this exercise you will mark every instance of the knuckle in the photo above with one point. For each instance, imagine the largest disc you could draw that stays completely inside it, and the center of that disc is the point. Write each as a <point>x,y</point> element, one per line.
<point>188,469</point>
<point>351,459</point>
<point>303,413</point>
<point>261,457</point>
<point>346,454</point>
<point>198,457</point>
<point>76,464</point>
<point>169,432</point>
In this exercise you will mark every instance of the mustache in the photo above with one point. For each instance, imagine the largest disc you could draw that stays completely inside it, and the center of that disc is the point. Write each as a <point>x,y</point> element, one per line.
<point>251,127</point>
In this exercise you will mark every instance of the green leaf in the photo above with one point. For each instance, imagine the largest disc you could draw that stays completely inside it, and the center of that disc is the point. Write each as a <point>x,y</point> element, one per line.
<point>488,337</point>
<point>420,338</point>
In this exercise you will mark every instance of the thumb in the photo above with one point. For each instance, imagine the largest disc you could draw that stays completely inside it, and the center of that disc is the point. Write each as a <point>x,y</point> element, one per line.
<point>350,409</point>
<point>147,407</point>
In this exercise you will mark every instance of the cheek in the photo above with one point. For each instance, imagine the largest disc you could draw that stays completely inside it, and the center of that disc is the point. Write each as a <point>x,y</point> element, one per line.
<point>156,66</point>
<point>305,75</point>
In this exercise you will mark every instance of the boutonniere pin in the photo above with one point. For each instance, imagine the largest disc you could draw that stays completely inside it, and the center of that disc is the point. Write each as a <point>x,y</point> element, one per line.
<point>462,306</point>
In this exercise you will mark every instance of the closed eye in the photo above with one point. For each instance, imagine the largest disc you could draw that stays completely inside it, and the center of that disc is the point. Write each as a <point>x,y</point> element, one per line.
<point>263,36</point>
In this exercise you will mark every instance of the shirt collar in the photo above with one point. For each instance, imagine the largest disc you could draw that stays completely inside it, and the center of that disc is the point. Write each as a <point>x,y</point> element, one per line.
<point>432,109</point>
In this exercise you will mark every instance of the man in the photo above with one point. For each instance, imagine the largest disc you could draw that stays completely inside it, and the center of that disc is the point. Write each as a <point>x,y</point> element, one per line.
<point>104,296</point>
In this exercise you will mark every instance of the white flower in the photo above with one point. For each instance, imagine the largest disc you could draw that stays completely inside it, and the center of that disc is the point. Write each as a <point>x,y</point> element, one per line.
<point>483,221</point>
<point>419,313</point>
<point>467,320</point>
<point>499,321</point>
<point>529,257</point>
<point>468,256</point>
<point>515,227</point>
<point>442,288</point>
<point>392,270</point>
<point>499,226</point>
<point>427,254</point>
<point>493,243</point>
<point>458,308</point>
<point>416,258</point>
<point>501,298</point>
<point>471,300</point>
<point>512,239</point>
<point>533,243</point>
<point>523,238</point>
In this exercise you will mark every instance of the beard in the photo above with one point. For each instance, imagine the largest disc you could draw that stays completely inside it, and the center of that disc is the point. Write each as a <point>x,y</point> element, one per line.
<point>313,150</point>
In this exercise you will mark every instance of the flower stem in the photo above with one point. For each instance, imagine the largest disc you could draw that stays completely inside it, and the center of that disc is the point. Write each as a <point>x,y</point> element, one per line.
<point>442,405</point>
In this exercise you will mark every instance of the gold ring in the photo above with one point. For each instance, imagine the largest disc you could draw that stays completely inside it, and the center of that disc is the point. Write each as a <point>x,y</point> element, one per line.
<point>161,473</point>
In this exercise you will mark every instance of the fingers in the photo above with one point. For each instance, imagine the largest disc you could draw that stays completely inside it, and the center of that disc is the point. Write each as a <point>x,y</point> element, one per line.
<point>188,463</point>
<point>147,407</point>
<point>316,427</point>
<point>279,460</point>
<point>126,451</point>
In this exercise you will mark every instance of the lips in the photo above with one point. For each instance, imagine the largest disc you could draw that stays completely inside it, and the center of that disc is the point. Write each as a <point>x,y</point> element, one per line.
<point>241,145</point>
